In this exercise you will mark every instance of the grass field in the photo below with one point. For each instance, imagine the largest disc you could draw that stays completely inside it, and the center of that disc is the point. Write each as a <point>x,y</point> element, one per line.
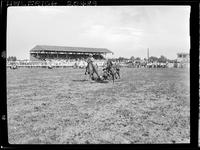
<point>61,106</point>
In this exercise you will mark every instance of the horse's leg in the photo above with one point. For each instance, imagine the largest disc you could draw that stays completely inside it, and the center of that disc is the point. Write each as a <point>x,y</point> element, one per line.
<point>90,71</point>
<point>95,70</point>
<point>118,74</point>
<point>92,76</point>
<point>112,74</point>
<point>113,77</point>
<point>86,69</point>
<point>109,75</point>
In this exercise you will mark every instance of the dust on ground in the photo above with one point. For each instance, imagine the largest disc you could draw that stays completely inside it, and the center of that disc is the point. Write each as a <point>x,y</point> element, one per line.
<point>62,106</point>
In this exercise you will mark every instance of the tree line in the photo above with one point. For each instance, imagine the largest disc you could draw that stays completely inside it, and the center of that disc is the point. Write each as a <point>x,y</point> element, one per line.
<point>151,59</point>
<point>11,58</point>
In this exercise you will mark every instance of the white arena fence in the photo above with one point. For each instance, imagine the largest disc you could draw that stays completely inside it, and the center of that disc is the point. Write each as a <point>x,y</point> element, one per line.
<point>53,63</point>
<point>83,64</point>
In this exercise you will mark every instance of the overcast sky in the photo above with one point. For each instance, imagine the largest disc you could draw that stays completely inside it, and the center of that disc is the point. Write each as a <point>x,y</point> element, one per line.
<point>125,30</point>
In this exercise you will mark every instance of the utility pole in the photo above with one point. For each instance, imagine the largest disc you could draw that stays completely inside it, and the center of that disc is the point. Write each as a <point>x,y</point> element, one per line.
<point>148,55</point>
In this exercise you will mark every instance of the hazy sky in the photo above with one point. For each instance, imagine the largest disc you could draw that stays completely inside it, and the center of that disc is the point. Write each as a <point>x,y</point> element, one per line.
<point>125,30</point>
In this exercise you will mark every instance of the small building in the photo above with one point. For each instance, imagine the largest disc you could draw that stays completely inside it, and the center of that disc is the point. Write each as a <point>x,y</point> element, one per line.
<point>183,60</point>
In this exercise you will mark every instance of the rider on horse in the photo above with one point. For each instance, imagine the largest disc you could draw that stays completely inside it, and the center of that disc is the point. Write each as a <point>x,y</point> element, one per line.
<point>109,64</point>
<point>111,70</point>
<point>90,60</point>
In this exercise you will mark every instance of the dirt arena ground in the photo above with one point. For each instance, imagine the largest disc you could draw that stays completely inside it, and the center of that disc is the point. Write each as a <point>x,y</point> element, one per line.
<point>61,106</point>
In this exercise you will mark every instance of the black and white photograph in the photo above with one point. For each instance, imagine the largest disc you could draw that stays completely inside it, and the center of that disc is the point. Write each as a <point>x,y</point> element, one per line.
<point>98,74</point>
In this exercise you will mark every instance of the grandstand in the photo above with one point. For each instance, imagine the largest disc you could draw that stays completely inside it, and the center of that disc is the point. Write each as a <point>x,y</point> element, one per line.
<point>44,52</point>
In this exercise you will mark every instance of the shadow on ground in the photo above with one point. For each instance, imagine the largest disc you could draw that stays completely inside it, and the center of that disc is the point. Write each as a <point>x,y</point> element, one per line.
<point>80,80</point>
<point>93,81</point>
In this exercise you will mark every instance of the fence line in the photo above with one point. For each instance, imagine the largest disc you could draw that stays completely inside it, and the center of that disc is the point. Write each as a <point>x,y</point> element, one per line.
<point>83,64</point>
<point>53,63</point>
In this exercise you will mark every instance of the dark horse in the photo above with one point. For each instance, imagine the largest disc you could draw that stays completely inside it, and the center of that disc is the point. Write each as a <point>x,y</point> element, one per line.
<point>49,67</point>
<point>111,71</point>
<point>13,67</point>
<point>91,69</point>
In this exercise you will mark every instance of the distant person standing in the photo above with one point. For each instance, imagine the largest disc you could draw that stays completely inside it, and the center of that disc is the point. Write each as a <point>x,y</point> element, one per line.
<point>49,64</point>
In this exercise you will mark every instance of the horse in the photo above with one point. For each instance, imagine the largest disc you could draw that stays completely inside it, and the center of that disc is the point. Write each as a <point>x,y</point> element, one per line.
<point>49,67</point>
<point>117,70</point>
<point>111,71</point>
<point>91,69</point>
<point>13,67</point>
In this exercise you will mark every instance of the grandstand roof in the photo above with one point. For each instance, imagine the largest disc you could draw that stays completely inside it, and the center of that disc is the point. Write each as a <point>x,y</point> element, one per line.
<point>38,48</point>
